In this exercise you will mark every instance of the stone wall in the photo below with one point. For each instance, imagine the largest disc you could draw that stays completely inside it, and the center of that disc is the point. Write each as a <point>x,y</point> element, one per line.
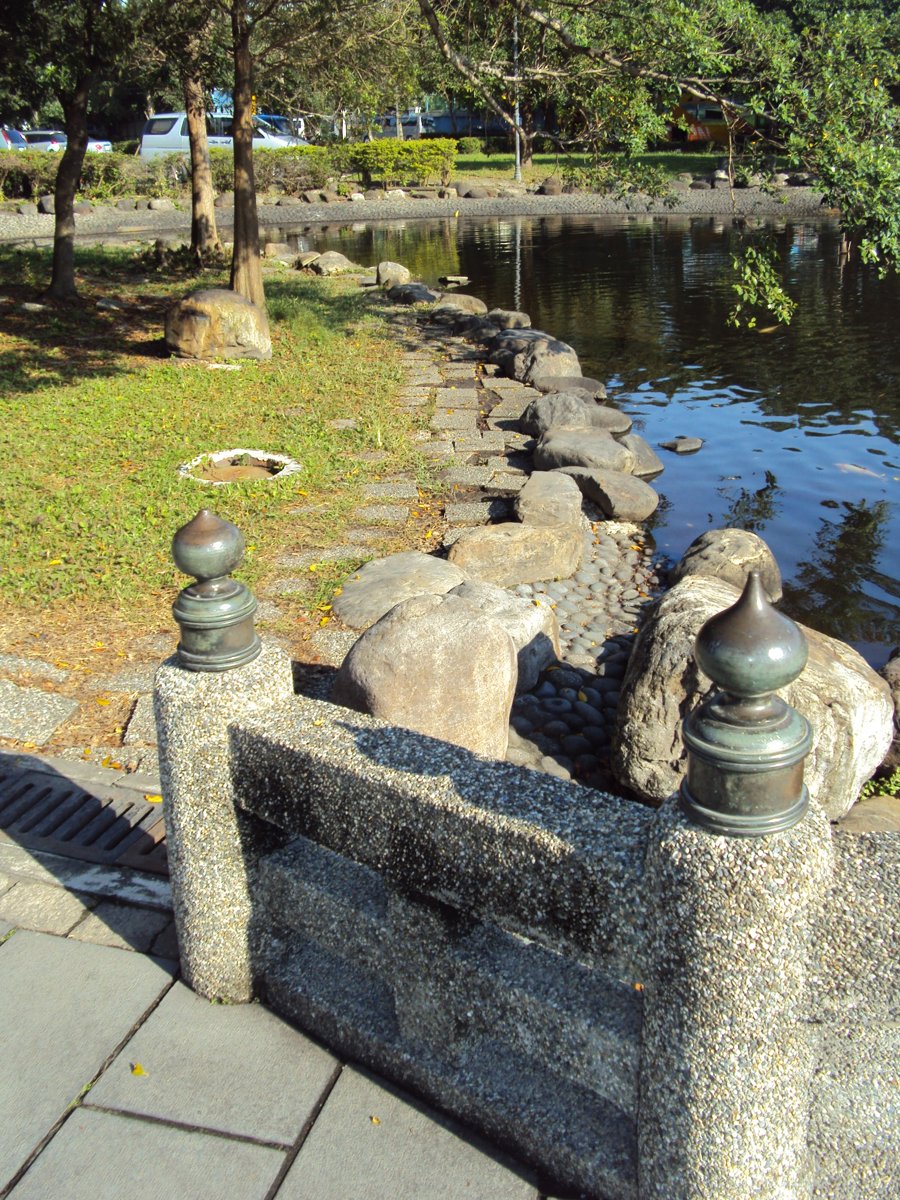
<point>637,1006</point>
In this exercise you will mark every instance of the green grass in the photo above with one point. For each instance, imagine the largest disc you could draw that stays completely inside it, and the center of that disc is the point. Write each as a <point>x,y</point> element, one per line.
<point>500,166</point>
<point>96,420</point>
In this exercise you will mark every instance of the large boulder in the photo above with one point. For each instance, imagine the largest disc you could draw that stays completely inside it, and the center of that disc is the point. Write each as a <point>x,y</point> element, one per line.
<point>620,496</point>
<point>533,628</point>
<point>647,463</point>
<point>413,293</point>
<point>437,665</point>
<point>891,674</point>
<point>391,274</point>
<point>381,584</point>
<point>730,554</point>
<point>217,323</point>
<point>571,410</point>
<point>511,553</point>
<point>459,303</point>
<point>505,318</point>
<point>549,498</point>
<point>572,383</point>
<point>581,448</point>
<point>530,354</point>
<point>846,703</point>
<point>332,262</point>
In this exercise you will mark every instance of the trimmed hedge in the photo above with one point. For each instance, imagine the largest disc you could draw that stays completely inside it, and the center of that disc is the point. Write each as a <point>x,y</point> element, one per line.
<point>29,174</point>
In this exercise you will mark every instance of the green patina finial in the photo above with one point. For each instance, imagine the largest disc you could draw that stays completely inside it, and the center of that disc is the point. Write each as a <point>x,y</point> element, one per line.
<point>746,746</point>
<point>215,613</point>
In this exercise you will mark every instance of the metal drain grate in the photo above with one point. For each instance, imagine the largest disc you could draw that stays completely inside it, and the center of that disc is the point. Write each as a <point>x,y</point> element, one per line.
<point>111,824</point>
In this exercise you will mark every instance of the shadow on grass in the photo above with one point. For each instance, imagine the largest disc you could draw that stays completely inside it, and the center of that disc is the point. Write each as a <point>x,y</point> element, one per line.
<point>115,320</point>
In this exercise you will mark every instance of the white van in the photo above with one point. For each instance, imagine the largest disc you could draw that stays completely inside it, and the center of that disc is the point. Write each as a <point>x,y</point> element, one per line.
<point>167,133</point>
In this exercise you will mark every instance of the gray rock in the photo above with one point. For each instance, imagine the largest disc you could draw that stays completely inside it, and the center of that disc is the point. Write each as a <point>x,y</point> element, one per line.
<point>505,318</point>
<point>83,207</point>
<point>379,585</point>
<point>511,553</point>
<point>413,293</point>
<point>46,205</point>
<point>437,665</point>
<point>332,262</point>
<point>647,463</point>
<point>890,672</point>
<point>550,498</point>
<point>683,445</point>
<point>532,626</point>
<point>217,323</point>
<point>572,383</point>
<point>529,355</point>
<point>460,303</point>
<point>161,204</point>
<point>551,186</point>
<point>581,448</point>
<point>846,703</point>
<point>390,274</point>
<point>571,410</point>
<point>730,554</point>
<point>875,814</point>
<point>619,495</point>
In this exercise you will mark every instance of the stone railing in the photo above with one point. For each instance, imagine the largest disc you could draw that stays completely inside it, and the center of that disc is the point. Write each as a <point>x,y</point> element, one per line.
<point>683,1003</point>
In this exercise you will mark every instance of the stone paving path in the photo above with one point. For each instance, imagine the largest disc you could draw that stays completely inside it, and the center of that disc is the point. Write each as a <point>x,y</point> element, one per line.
<point>118,1081</point>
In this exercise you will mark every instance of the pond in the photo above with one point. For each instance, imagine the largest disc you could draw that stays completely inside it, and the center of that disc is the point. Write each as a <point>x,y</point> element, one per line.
<point>800,424</point>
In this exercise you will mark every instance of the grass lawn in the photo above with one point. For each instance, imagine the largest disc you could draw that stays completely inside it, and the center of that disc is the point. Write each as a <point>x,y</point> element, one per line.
<point>96,419</point>
<point>501,166</point>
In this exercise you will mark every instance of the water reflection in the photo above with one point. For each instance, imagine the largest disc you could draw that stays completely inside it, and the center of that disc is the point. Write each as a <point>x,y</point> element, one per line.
<point>792,418</point>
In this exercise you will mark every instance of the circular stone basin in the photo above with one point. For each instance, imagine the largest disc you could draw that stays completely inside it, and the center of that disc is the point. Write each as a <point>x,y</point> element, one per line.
<point>232,466</point>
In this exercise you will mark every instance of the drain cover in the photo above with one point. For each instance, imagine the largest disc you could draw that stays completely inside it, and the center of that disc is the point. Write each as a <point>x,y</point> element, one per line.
<point>53,810</point>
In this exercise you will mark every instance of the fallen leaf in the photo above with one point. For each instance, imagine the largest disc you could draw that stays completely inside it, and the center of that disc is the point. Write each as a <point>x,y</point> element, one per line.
<point>103,701</point>
<point>153,797</point>
<point>137,1069</point>
<point>375,1120</point>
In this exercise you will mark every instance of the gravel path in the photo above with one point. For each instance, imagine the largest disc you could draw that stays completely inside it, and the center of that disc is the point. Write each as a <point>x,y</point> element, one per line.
<point>143,224</point>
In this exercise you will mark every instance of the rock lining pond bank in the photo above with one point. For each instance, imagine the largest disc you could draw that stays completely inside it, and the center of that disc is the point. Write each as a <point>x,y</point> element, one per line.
<point>141,224</point>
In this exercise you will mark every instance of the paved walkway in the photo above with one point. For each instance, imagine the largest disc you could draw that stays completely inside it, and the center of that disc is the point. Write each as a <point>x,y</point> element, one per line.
<point>119,1082</point>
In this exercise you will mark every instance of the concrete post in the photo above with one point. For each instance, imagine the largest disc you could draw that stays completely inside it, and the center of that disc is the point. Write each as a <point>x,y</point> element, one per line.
<point>737,867</point>
<point>212,846</point>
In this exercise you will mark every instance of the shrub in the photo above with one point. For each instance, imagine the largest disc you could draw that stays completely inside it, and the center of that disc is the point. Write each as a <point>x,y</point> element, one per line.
<point>396,162</point>
<point>469,145</point>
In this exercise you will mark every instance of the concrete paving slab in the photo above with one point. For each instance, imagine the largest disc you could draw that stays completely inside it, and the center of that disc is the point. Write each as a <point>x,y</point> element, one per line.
<point>44,907</point>
<point>5,928</point>
<point>30,714</point>
<point>141,727</point>
<point>64,1007</point>
<point>95,879</point>
<point>455,418</point>
<point>382,514</point>
<point>101,1156</point>
<point>121,925</point>
<point>374,1142</point>
<point>237,1069</point>
<point>15,664</point>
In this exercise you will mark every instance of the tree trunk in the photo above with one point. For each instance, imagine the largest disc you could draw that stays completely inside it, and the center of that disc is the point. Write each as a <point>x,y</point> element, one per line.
<point>246,266</point>
<point>62,280</point>
<point>204,234</point>
<point>399,130</point>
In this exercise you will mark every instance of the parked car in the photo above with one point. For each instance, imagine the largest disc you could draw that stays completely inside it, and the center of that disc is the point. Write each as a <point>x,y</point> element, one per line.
<point>45,139</point>
<point>98,146</point>
<point>167,133</point>
<point>11,139</point>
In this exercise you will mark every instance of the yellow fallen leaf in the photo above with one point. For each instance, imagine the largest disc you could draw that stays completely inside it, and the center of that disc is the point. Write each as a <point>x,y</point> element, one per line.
<point>63,664</point>
<point>29,745</point>
<point>582,696</point>
<point>153,797</point>
<point>55,562</point>
<point>103,701</point>
<point>137,1069</point>
<point>375,1120</point>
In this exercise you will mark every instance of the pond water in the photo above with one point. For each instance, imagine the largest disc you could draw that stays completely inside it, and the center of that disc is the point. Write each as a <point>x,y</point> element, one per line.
<point>800,424</point>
